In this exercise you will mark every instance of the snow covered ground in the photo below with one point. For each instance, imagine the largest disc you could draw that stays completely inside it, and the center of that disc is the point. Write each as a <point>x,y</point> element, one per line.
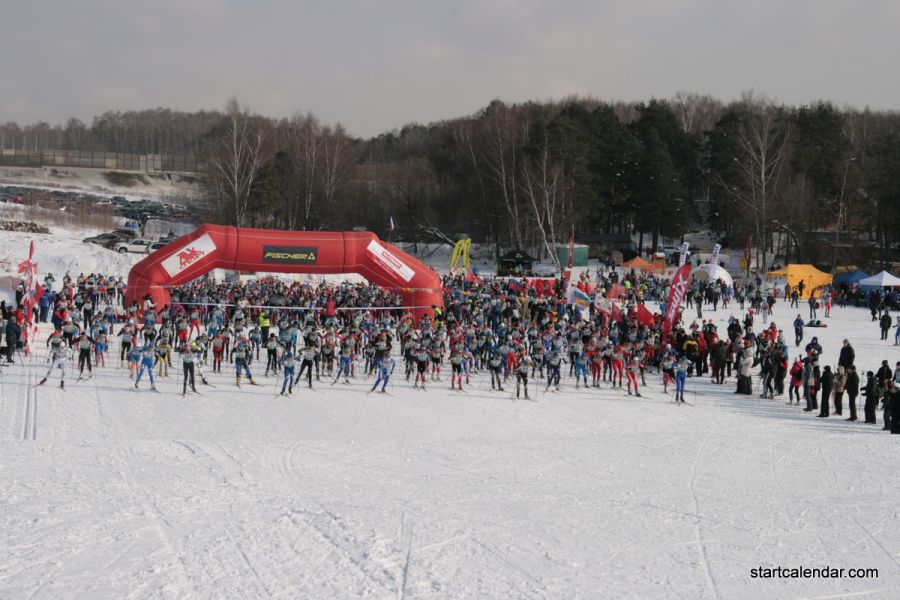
<point>94,181</point>
<point>332,493</point>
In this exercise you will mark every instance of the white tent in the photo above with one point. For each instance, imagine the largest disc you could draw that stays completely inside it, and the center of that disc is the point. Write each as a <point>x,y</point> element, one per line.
<point>713,273</point>
<point>883,279</point>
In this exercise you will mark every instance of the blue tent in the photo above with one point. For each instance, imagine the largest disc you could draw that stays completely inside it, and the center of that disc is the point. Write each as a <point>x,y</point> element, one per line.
<point>850,278</point>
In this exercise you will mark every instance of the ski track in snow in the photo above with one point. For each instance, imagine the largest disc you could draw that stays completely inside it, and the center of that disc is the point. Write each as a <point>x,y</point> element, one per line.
<point>333,493</point>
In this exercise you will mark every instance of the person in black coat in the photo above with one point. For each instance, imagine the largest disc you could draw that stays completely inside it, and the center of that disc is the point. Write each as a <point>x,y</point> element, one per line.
<point>848,355</point>
<point>871,394</point>
<point>885,323</point>
<point>814,345</point>
<point>13,331</point>
<point>827,382</point>
<point>852,390</point>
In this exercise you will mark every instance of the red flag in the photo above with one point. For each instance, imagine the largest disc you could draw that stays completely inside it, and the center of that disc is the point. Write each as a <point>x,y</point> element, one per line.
<point>615,313</point>
<point>616,291</point>
<point>676,295</point>
<point>644,316</point>
<point>472,277</point>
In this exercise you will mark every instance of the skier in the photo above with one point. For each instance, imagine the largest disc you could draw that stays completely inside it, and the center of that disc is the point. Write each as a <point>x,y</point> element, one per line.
<point>309,356</point>
<point>239,355</point>
<point>58,358</point>
<point>522,366</point>
<point>147,354</point>
<point>634,367</point>
<point>84,345</point>
<point>581,365</point>
<point>681,370</point>
<point>422,357</point>
<point>187,364</point>
<point>385,368</point>
<point>346,362</point>
<point>457,358</point>
<point>554,360</point>
<point>495,366</point>
<point>287,366</point>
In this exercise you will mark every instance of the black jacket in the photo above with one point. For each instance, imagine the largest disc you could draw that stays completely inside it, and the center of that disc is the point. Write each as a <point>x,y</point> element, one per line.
<point>852,386</point>
<point>13,331</point>
<point>847,356</point>
<point>827,380</point>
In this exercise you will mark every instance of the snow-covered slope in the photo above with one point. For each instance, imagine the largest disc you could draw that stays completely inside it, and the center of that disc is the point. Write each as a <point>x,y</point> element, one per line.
<point>94,181</point>
<point>108,493</point>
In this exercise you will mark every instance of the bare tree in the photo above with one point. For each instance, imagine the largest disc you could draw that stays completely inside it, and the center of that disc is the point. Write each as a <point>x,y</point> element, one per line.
<point>543,183</point>
<point>337,160</point>
<point>237,161</point>
<point>503,132</point>
<point>696,112</point>
<point>762,140</point>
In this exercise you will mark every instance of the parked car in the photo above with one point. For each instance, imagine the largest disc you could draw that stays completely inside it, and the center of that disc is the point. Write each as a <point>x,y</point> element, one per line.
<point>156,246</point>
<point>104,239</point>
<point>139,246</point>
<point>126,232</point>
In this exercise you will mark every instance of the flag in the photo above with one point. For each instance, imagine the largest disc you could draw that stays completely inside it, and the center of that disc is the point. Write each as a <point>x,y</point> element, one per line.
<point>644,316</point>
<point>514,285</point>
<point>581,300</point>
<point>472,277</point>
<point>616,291</point>
<point>615,314</point>
<point>572,249</point>
<point>676,295</point>
<point>683,256</point>
<point>391,225</point>
<point>714,259</point>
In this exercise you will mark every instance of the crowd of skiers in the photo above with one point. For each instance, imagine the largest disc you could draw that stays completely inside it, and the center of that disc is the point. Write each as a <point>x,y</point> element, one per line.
<point>496,327</point>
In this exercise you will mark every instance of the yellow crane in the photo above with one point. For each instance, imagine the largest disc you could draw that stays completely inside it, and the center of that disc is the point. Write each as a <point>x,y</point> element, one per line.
<point>461,255</point>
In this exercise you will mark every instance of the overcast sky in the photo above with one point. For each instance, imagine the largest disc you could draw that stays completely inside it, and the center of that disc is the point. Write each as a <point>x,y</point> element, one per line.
<point>375,65</point>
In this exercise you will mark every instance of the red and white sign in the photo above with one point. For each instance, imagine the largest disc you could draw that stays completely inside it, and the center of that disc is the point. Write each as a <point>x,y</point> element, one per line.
<point>676,294</point>
<point>389,261</point>
<point>189,254</point>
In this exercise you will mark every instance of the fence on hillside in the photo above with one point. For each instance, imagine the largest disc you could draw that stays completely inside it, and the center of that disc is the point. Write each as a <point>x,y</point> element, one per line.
<point>148,163</point>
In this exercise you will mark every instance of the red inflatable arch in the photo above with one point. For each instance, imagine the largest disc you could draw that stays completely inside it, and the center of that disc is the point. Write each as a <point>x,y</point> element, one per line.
<point>217,247</point>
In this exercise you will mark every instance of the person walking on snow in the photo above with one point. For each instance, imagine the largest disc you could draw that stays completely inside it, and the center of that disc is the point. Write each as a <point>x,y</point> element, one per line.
<point>798,330</point>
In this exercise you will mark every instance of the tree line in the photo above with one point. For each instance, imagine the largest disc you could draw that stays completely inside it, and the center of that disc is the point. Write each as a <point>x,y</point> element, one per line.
<point>813,183</point>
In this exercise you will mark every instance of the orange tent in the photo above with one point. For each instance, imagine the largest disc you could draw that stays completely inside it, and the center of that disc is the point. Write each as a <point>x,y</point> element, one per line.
<point>638,263</point>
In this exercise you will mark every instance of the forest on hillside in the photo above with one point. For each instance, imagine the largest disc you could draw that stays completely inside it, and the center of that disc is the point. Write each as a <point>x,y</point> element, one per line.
<point>814,183</point>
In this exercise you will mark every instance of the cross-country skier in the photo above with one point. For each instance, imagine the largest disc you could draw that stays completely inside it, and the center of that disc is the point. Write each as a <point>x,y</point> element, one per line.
<point>346,361</point>
<point>58,358</point>
<point>147,353</point>
<point>554,360</point>
<point>287,366</point>
<point>385,369</point>
<point>522,366</point>
<point>422,357</point>
<point>634,369</point>
<point>681,370</point>
<point>581,366</point>
<point>188,357</point>
<point>309,358</point>
<point>495,366</point>
<point>84,345</point>
<point>241,364</point>
<point>457,358</point>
